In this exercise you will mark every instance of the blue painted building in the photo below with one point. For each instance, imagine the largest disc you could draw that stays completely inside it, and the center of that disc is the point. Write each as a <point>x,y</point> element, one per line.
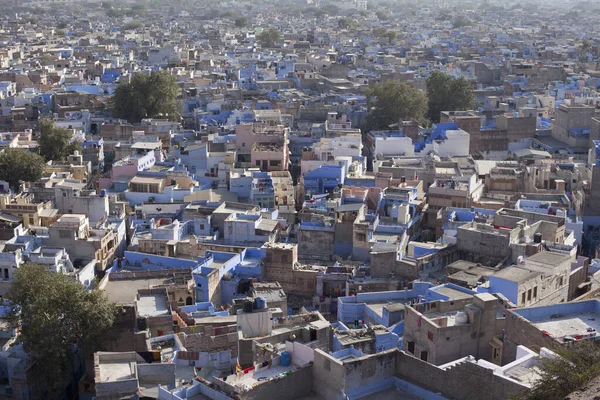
<point>324,179</point>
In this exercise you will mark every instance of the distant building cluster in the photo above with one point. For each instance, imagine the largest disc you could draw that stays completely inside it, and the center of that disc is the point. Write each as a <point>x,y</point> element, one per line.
<point>266,245</point>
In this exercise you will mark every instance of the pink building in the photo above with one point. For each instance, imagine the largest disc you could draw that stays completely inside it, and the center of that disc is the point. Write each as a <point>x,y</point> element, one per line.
<point>270,157</point>
<point>263,145</point>
<point>125,169</point>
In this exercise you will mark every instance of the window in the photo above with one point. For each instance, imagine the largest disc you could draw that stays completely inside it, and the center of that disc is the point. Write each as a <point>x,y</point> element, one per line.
<point>411,347</point>
<point>243,144</point>
<point>274,163</point>
<point>201,226</point>
<point>430,335</point>
<point>64,194</point>
<point>258,163</point>
<point>535,292</point>
<point>529,295</point>
<point>5,273</point>
<point>560,281</point>
<point>523,298</point>
<point>423,355</point>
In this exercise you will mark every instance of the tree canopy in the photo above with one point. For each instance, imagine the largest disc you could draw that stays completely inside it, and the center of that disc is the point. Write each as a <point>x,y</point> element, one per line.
<point>382,15</point>
<point>56,143</point>
<point>461,21</point>
<point>57,318</point>
<point>575,367</point>
<point>446,93</point>
<point>268,37</point>
<point>241,22</point>
<point>346,23</point>
<point>391,101</point>
<point>147,96</point>
<point>20,165</point>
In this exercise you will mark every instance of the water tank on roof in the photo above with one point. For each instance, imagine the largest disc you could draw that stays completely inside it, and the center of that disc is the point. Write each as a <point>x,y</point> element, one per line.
<point>286,359</point>
<point>261,303</point>
<point>462,318</point>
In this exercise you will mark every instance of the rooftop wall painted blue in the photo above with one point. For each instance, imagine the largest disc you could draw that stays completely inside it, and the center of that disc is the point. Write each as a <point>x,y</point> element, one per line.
<point>153,262</point>
<point>398,328</point>
<point>438,133</point>
<point>324,178</point>
<point>390,382</point>
<point>347,352</point>
<point>342,248</point>
<point>385,341</point>
<point>423,251</point>
<point>352,308</point>
<point>509,289</point>
<point>537,313</point>
<point>110,75</point>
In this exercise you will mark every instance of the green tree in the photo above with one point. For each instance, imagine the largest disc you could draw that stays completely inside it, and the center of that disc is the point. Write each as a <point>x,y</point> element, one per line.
<point>56,143</point>
<point>382,15</point>
<point>268,37</point>
<point>585,47</point>
<point>571,371</point>
<point>444,15</point>
<point>241,22</point>
<point>147,96</point>
<point>391,35</point>
<point>20,165</point>
<point>446,93</point>
<point>461,21</point>
<point>114,13</point>
<point>346,23</point>
<point>57,317</point>
<point>391,101</point>
<point>131,26</point>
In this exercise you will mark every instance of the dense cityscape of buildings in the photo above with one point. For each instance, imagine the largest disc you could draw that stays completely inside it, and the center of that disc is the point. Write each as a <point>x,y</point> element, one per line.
<point>266,244</point>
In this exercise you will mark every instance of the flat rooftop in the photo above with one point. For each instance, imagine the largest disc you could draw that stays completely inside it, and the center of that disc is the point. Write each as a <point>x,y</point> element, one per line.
<point>471,278</point>
<point>125,291</point>
<point>153,305</point>
<point>395,305</point>
<point>569,325</point>
<point>549,258</point>
<point>525,374</point>
<point>516,274</point>
<point>117,371</point>
<point>443,319</point>
<point>453,294</point>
